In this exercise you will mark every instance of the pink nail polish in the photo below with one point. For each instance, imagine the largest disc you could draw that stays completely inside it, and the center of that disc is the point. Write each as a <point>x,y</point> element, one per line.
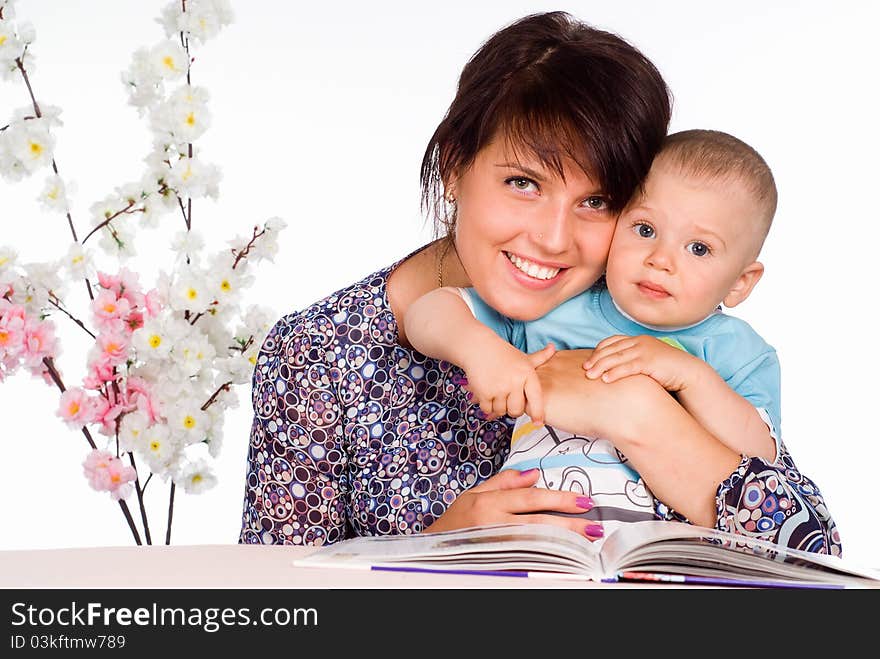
<point>528,472</point>
<point>594,531</point>
<point>584,502</point>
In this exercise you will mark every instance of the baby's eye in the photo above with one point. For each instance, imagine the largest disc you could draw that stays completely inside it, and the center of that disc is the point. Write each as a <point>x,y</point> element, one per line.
<point>643,230</point>
<point>698,249</point>
<point>522,183</point>
<point>596,203</point>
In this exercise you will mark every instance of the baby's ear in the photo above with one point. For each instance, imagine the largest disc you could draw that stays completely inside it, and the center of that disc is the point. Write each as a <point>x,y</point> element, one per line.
<point>744,284</point>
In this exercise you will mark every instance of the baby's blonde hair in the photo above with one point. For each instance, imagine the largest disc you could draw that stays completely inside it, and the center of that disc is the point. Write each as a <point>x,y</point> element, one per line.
<point>718,156</point>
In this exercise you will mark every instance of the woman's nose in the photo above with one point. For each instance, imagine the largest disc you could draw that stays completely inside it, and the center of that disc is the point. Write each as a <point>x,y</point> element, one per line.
<point>554,234</point>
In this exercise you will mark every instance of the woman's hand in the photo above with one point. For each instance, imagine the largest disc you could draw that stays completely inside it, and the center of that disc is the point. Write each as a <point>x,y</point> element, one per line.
<point>588,407</point>
<point>681,462</point>
<point>508,497</point>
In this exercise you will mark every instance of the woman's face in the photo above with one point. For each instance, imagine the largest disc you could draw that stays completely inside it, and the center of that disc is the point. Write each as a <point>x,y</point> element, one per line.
<point>527,239</point>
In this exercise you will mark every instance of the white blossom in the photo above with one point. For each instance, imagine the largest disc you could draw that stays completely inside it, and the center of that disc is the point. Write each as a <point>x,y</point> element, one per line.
<point>54,194</point>
<point>142,82</point>
<point>196,477</point>
<point>131,431</point>
<point>184,117</point>
<point>226,284</point>
<point>258,320</point>
<point>187,421</point>
<point>159,448</point>
<point>169,60</point>
<point>30,143</point>
<point>117,239</point>
<point>189,291</point>
<point>194,178</point>
<point>155,340</point>
<point>203,19</point>
<point>26,32</point>
<point>185,243</point>
<point>45,278</point>
<point>10,45</point>
<point>214,439</point>
<point>193,354</point>
<point>7,257</point>
<point>78,262</point>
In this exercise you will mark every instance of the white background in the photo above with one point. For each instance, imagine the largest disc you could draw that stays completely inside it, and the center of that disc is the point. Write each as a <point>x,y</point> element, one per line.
<point>321,116</point>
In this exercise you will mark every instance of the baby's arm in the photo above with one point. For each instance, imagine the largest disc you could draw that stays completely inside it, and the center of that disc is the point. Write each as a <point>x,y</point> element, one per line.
<point>698,388</point>
<point>502,379</point>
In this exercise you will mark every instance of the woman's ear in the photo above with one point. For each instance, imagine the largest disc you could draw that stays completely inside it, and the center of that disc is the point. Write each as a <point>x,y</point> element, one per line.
<point>744,284</point>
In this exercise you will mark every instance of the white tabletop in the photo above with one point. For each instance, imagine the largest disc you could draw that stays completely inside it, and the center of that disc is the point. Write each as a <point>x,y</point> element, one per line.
<point>226,566</point>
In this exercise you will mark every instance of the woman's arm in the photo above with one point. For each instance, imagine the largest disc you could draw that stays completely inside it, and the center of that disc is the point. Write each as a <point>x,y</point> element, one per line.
<point>687,468</point>
<point>295,419</point>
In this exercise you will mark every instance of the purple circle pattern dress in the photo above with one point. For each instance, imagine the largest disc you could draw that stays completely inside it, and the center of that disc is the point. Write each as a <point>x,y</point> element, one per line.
<point>354,434</point>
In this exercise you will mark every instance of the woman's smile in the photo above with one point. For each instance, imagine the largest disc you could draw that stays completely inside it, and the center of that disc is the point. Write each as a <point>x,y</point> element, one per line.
<point>533,268</point>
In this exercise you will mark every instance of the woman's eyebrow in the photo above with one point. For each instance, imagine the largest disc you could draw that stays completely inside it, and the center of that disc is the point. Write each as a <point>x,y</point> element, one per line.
<point>526,170</point>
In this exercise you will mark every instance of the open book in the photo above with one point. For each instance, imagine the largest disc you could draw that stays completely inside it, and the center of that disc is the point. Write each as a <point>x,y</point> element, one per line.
<point>638,551</point>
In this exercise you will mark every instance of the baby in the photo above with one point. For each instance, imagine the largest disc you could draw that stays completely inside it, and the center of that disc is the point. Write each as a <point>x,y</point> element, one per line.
<point>686,244</point>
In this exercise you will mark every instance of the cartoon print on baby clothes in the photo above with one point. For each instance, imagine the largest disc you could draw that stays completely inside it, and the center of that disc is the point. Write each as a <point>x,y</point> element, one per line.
<point>587,465</point>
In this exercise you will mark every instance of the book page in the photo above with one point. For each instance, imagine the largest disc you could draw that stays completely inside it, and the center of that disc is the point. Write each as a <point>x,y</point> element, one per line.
<point>501,546</point>
<point>681,548</point>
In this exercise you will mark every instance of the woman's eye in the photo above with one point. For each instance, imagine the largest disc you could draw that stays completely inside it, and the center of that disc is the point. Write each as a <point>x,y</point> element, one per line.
<point>596,203</point>
<point>644,230</point>
<point>698,249</point>
<point>522,183</point>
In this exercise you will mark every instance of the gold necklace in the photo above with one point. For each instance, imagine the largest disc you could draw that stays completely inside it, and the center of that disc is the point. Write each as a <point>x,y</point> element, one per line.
<point>447,242</point>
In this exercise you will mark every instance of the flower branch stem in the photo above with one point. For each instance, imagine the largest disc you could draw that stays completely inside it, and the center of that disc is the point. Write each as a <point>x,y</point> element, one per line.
<point>56,378</point>
<point>170,514</point>
<point>39,113</point>
<point>107,221</point>
<point>183,211</point>
<point>247,248</point>
<point>76,320</point>
<point>27,81</point>
<point>140,496</point>
<point>210,401</point>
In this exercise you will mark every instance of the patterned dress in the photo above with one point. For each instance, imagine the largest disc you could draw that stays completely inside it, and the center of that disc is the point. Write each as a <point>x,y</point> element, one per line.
<point>354,435</point>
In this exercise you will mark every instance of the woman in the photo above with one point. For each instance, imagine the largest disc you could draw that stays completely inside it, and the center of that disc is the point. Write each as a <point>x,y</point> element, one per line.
<point>355,433</point>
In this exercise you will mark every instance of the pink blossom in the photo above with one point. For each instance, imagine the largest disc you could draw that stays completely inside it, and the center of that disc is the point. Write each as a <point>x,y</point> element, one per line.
<point>125,286</point>
<point>9,311</point>
<point>121,476</point>
<point>134,321</point>
<point>109,311</point>
<point>75,407</point>
<point>42,372</point>
<point>95,468</point>
<point>39,341</point>
<point>110,282</point>
<point>100,371</point>
<point>140,395</point>
<point>153,303</point>
<point>114,348</point>
<point>106,472</point>
<point>106,413</point>
<point>11,335</point>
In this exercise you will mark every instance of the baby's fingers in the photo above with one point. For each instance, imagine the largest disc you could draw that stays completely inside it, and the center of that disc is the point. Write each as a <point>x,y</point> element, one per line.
<point>516,402</point>
<point>534,399</point>
<point>620,371</point>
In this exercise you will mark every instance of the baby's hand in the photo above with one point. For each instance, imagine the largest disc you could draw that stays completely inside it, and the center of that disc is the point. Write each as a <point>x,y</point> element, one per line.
<point>620,356</point>
<point>503,381</point>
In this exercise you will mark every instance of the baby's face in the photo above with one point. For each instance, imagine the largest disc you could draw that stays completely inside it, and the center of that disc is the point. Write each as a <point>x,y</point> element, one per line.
<point>679,249</point>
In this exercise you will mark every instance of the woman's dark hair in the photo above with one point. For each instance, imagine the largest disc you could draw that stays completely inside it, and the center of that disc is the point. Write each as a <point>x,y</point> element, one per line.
<point>560,89</point>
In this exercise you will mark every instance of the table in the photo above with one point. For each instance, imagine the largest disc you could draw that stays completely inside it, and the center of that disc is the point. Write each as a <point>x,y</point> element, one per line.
<point>226,566</point>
